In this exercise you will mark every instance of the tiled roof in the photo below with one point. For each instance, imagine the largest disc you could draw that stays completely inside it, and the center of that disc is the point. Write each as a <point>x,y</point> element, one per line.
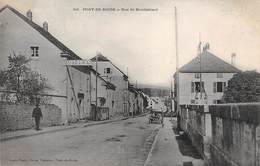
<point>44,33</point>
<point>210,63</point>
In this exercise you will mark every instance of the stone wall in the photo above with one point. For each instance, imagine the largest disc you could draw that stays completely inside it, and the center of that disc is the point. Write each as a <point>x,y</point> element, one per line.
<point>19,116</point>
<point>235,135</point>
<point>224,134</point>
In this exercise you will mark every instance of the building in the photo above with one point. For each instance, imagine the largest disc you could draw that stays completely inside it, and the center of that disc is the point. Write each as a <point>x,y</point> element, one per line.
<point>207,70</point>
<point>132,100</point>
<point>136,100</point>
<point>105,93</point>
<point>71,83</point>
<point>113,74</point>
<point>140,103</point>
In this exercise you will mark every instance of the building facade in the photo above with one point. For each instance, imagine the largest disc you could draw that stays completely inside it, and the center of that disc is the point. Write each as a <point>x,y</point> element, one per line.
<point>207,70</point>
<point>113,74</point>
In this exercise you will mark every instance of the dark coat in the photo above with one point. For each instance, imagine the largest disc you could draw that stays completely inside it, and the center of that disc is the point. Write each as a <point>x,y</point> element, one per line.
<point>37,113</point>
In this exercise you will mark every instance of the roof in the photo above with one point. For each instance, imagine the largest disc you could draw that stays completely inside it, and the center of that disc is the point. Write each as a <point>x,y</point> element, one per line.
<point>102,58</point>
<point>109,85</point>
<point>210,63</point>
<point>43,32</point>
<point>99,57</point>
<point>131,88</point>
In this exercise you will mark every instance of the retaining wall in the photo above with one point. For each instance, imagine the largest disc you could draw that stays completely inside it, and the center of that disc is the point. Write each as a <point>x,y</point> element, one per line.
<point>235,135</point>
<point>19,116</point>
<point>224,134</point>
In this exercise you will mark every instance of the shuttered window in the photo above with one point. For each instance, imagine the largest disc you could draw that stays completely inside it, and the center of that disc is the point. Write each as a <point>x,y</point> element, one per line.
<point>214,87</point>
<point>224,86</point>
<point>219,86</point>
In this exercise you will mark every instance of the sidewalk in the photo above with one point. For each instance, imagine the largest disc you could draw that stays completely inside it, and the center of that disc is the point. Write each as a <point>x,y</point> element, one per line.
<point>30,132</point>
<point>170,150</point>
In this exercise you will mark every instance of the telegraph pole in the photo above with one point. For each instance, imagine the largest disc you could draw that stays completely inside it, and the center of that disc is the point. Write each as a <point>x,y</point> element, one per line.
<point>96,86</point>
<point>171,97</point>
<point>127,106</point>
<point>177,68</point>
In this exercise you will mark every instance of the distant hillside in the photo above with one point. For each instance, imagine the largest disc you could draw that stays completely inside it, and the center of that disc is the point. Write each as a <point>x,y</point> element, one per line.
<point>153,90</point>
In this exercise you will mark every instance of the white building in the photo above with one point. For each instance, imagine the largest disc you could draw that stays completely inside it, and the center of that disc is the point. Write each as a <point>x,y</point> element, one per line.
<point>215,74</point>
<point>113,74</point>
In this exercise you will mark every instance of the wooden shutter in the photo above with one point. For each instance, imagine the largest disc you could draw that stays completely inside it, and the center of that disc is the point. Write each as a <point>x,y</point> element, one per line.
<point>192,87</point>
<point>214,87</point>
<point>224,86</point>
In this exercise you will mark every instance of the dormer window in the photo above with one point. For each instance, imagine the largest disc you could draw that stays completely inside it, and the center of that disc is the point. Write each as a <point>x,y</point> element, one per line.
<point>35,51</point>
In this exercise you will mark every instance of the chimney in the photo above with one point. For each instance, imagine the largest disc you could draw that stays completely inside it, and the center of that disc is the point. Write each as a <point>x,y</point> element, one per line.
<point>29,14</point>
<point>45,26</point>
<point>233,59</point>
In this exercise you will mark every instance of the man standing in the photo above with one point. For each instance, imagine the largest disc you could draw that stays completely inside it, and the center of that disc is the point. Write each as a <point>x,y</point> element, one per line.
<point>37,115</point>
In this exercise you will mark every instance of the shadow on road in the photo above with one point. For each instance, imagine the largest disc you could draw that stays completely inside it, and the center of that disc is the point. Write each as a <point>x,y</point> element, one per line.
<point>186,148</point>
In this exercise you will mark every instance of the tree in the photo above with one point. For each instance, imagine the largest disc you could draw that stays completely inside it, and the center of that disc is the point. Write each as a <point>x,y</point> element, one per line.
<point>243,87</point>
<point>19,78</point>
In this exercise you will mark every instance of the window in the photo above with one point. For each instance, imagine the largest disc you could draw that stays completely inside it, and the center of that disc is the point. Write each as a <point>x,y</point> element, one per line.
<point>219,75</point>
<point>107,71</point>
<point>217,101</point>
<point>195,86</point>
<point>81,95</point>
<point>35,51</point>
<point>197,75</point>
<point>219,86</point>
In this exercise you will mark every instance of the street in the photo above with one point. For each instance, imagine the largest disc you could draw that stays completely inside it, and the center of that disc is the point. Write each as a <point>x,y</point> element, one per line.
<point>125,142</point>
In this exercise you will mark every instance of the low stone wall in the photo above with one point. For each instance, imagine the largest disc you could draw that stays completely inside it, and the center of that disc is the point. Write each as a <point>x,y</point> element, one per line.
<point>19,116</point>
<point>235,135</point>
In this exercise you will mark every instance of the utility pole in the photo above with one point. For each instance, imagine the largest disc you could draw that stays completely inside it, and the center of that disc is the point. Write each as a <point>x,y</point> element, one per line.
<point>67,95</point>
<point>200,79</point>
<point>171,97</point>
<point>96,110</point>
<point>200,67</point>
<point>177,68</point>
<point>128,109</point>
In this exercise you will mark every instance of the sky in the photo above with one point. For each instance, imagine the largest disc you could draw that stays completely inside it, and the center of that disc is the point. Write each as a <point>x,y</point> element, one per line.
<point>144,41</point>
